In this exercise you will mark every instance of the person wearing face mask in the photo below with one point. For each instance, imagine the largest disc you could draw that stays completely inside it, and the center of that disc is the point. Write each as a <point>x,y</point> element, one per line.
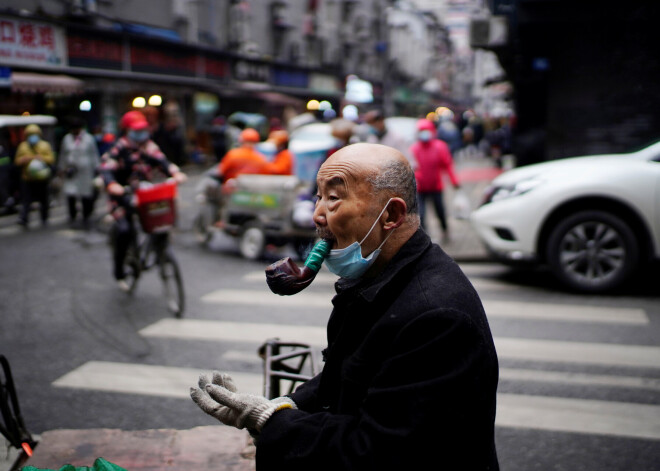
<point>78,161</point>
<point>282,164</point>
<point>34,157</point>
<point>433,161</point>
<point>132,159</point>
<point>410,372</point>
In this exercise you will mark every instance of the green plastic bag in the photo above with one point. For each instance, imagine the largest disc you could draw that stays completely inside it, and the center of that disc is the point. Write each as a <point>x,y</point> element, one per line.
<point>100,464</point>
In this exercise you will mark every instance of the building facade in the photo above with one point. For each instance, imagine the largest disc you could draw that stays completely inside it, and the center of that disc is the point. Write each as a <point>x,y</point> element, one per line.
<point>584,74</point>
<point>201,58</point>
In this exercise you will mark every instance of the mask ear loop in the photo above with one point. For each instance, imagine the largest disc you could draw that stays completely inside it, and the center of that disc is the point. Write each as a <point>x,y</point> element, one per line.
<point>374,225</point>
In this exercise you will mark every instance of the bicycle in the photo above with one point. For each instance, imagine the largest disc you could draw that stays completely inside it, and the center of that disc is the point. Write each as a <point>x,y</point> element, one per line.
<point>155,208</point>
<point>12,426</point>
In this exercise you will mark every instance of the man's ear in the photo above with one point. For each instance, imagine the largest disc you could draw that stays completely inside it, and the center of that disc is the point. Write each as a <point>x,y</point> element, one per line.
<point>395,214</point>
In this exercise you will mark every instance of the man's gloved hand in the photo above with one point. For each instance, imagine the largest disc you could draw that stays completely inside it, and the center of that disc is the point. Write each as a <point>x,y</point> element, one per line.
<point>218,397</point>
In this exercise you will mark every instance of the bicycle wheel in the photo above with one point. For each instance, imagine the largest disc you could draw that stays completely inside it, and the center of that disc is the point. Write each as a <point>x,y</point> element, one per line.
<point>132,267</point>
<point>170,274</point>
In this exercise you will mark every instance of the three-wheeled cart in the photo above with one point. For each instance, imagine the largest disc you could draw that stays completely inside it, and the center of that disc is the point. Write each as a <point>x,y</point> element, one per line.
<point>260,210</point>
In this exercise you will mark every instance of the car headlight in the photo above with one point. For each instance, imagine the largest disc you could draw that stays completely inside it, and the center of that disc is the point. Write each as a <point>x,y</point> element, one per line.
<point>501,192</point>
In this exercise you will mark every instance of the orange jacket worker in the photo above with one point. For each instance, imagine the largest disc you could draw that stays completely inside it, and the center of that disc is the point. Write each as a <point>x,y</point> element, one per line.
<point>244,159</point>
<point>283,162</point>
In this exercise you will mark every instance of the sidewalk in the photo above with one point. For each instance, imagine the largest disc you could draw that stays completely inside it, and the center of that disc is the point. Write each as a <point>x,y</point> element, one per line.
<point>221,448</point>
<point>209,448</point>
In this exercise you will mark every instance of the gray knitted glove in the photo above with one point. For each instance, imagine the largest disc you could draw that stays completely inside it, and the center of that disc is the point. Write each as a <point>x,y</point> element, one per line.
<point>217,396</point>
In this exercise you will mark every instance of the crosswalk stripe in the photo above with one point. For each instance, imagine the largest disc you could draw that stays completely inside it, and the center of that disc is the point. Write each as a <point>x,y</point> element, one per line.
<point>578,415</point>
<point>266,298</point>
<point>494,309</point>
<point>234,331</point>
<point>580,379</point>
<point>578,352</point>
<point>326,279</point>
<point>511,348</point>
<point>565,312</point>
<point>151,380</point>
<point>535,412</point>
<point>243,356</point>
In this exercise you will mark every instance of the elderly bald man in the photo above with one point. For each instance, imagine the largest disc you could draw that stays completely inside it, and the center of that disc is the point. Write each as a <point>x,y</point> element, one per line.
<point>410,373</point>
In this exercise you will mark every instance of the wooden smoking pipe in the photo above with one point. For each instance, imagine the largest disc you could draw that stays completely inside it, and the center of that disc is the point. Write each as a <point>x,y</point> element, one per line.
<point>285,278</point>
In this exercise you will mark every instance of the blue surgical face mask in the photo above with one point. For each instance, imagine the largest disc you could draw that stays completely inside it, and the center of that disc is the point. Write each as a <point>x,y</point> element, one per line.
<point>138,136</point>
<point>349,262</point>
<point>33,139</point>
<point>425,135</point>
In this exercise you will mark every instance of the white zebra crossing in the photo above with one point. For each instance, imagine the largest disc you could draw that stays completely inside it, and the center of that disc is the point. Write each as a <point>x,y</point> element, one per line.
<point>150,380</point>
<point>494,309</point>
<point>520,411</point>
<point>511,348</point>
<point>514,410</point>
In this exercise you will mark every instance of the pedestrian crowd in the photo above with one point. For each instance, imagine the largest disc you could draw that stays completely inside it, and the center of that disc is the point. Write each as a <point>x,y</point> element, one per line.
<point>252,144</point>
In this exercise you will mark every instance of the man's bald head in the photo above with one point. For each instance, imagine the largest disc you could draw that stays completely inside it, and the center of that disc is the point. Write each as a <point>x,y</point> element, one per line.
<point>386,169</point>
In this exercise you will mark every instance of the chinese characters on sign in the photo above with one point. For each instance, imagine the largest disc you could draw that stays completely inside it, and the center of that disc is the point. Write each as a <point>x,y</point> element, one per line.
<point>27,42</point>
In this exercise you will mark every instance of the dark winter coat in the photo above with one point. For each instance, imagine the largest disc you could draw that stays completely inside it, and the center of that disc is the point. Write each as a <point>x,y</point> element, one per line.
<point>409,381</point>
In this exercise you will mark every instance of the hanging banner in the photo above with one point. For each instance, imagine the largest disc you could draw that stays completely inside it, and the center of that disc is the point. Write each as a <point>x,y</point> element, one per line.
<point>26,42</point>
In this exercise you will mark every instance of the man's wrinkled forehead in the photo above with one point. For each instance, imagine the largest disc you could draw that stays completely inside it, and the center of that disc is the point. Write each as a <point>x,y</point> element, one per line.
<point>340,173</point>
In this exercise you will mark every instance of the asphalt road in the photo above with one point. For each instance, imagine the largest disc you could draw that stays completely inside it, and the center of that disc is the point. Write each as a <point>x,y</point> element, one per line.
<point>580,375</point>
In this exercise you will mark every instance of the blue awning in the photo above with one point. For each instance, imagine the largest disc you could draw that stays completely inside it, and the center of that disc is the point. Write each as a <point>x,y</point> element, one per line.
<point>145,30</point>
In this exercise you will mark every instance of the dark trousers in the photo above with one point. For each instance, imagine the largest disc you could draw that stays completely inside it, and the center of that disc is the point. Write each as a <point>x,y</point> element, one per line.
<point>34,191</point>
<point>87,207</point>
<point>438,203</point>
<point>123,235</point>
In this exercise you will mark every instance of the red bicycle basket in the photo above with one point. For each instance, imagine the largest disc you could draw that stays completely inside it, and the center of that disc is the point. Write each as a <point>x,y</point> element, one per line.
<point>155,207</point>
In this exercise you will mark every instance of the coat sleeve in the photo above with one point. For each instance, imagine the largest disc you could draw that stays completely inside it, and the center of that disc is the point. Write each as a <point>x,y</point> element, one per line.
<point>110,162</point>
<point>306,395</point>
<point>65,148</point>
<point>46,152</point>
<point>156,158</point>
<point>23,155</point>
<point>422,405</point>
<point>282,164</point>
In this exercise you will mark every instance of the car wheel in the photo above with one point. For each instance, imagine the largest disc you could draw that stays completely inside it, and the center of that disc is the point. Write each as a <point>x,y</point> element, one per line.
<point>252,241</point>
<point>592,251</point>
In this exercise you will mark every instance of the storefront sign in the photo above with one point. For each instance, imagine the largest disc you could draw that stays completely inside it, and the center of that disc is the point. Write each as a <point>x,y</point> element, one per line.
<point>163,61</point>
<point>95,52</point>
<point>216,68</point>
<point>290,78</point>
<point>324,83</point>
<point>252,71</point>
<point>5,76</point>
<point>26,42</point>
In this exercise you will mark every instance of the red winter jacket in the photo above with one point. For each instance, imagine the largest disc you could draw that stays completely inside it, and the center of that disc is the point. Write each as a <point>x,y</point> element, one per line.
<point>433,159</point>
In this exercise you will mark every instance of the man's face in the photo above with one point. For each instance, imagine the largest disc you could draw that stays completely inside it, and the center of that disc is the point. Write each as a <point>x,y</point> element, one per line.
<point>346,208</point>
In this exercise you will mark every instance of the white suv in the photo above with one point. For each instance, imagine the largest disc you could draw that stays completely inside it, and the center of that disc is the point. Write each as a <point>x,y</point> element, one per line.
<point>594,220</point>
